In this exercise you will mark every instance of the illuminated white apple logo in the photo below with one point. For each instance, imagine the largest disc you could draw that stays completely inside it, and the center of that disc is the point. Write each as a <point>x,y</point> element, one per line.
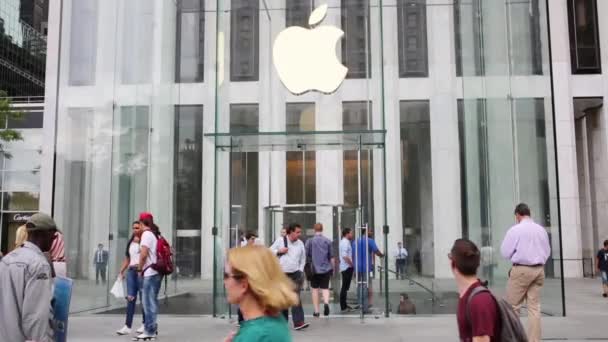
<point>306,60</point>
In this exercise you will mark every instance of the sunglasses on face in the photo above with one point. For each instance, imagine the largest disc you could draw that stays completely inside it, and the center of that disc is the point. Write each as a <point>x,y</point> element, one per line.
<point>233,276</point>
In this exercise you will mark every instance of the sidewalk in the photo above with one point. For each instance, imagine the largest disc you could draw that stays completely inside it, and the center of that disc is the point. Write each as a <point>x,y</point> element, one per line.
<point>586,321</point>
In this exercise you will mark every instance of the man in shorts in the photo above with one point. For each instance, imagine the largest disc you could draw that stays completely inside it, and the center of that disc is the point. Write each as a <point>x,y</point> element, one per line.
<point>602,267</point>
<point>319,252</point>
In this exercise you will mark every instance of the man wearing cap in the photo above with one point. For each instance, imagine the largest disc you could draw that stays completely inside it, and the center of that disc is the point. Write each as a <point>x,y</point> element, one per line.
<point>27,285</point>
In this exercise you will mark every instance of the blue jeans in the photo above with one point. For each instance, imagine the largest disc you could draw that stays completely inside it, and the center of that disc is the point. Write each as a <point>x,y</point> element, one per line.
<point>150,300</point>
<point>134,282</point>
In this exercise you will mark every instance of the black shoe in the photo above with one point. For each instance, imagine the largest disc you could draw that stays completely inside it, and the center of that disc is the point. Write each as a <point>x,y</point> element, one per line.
<point>301,326</point>
<point>315,314</point>
<point>605,295</point>
<point>326,310</point>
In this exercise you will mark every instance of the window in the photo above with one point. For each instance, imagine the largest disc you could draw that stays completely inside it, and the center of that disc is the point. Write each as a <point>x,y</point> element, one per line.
<point>244,40</point>
<point>411,21</point>
<point>584,37</point>
<point>301,165</point>
<point>416,186</point>
<point>526,44</point>
<point>244,118</point>
<point>83,43</point>
<point>297,12</point>
<point>468,37</point>
<point>29,120</point>
<point>190,41</point>
<point>356,49</point>
<point>188,188</point>
<point>137,35</point>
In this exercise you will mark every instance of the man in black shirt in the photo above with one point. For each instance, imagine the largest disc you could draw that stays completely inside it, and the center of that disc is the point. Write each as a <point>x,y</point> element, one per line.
<point>602,266</point>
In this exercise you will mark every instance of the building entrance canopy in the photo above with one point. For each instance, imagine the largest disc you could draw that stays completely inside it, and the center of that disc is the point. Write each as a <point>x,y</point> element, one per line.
<point>299,141</point>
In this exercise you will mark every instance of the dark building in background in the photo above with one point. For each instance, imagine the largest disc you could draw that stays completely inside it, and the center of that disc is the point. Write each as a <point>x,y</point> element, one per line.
<point>23,28</point>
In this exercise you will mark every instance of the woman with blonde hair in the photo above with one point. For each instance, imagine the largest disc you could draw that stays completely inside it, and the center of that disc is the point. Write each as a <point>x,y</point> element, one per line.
<point>254,280</point>
<point>20,236</point>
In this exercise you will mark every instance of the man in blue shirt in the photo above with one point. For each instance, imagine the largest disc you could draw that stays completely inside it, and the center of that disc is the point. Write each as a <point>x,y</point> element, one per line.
<point>363,250</point>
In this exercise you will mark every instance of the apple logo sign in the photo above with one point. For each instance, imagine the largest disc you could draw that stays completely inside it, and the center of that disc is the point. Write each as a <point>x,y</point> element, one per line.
<point>306,59</point>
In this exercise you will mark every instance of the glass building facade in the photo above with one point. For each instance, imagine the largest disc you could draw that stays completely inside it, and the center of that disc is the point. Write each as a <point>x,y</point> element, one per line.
<point>443,123</point>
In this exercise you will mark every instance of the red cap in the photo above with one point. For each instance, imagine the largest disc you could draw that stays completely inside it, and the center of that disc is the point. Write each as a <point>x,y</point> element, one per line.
<point>146,216</point>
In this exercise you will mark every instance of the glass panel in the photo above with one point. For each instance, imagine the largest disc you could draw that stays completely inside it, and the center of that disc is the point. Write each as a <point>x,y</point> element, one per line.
<point>244,118</point>
<point>417,189</point>
<point>130,165</point>
<point>21,181</point>
<point>20,201</point>
<point>356,53</point>
<point>506,154</point>
<point>83,42</point>
<point>188,189</point>
<point>115,146</point>
<point>22,160</point>
<point>138,29</point>
<point>29,120</point>
<point>301,170</point>
<point>297,12</point>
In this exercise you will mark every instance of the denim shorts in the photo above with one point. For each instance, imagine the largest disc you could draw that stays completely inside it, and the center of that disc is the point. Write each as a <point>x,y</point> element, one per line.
<point>604,275</point>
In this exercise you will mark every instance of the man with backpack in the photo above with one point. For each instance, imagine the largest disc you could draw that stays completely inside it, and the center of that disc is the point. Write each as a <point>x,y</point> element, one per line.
<point>154,263</point>
<point>292,258</point>
<point>480,316</point>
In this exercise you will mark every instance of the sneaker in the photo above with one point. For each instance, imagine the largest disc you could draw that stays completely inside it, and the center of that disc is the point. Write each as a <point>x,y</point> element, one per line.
<point>145,337</point>
<point>141,329</point>
<point>326,310</point>
<point>124,331</point>
<point>301,326</point>
<point>315,314</point>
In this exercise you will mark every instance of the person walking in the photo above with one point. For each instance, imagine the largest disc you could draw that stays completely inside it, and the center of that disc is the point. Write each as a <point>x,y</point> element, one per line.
<point>320,254</point>
<point>365,249</point>
<point>400,260</point>
<point>27,285</point>
<point>151,278</point>
<point>346,267</point>
<point>526,245</point>
<point>100,260</point>
<point>255,282</point>
<point>478,317</point>
<point>602,267</point>
<point>292,258</point>
<point>128,271</point>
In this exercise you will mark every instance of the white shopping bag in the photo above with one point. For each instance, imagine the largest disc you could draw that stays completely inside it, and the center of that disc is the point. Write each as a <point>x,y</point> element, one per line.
<point>118,290</point>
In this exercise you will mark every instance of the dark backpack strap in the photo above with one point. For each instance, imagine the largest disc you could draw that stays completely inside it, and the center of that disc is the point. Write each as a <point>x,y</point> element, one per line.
<point>285,241</point>
<point>476,291</point>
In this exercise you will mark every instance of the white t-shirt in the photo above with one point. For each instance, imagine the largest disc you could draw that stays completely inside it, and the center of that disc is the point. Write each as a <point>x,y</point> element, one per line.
<point>134,251</point>
<point>149,240</point>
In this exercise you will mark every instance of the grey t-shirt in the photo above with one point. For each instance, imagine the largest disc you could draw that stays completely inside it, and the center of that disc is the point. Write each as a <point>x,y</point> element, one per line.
<point>319,247</point>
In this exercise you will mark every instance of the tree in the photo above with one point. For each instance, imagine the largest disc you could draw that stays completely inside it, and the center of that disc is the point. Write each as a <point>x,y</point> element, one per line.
<point>8,113</point>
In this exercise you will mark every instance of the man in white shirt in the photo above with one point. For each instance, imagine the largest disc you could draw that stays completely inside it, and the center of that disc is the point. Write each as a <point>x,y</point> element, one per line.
<point>401,260</point>
<point>346,267</point>
<point>292,258</point>
<point>151,283</point>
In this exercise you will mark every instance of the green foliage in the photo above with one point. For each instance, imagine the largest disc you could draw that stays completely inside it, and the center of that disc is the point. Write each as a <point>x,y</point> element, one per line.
<point>8,113</point>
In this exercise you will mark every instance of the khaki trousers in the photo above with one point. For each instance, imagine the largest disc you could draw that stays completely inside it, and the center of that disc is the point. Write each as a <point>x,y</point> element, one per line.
<point>524,284</point>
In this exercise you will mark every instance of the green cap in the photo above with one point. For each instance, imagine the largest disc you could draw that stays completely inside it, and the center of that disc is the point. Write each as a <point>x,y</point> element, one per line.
<point>40,222</point>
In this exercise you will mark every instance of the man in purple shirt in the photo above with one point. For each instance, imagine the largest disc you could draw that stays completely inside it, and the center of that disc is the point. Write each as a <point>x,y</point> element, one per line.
<point>319,251</point>
<point>526,245</point>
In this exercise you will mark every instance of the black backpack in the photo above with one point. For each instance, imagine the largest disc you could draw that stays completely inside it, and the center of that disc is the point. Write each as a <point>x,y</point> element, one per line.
<point>511,328</point>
